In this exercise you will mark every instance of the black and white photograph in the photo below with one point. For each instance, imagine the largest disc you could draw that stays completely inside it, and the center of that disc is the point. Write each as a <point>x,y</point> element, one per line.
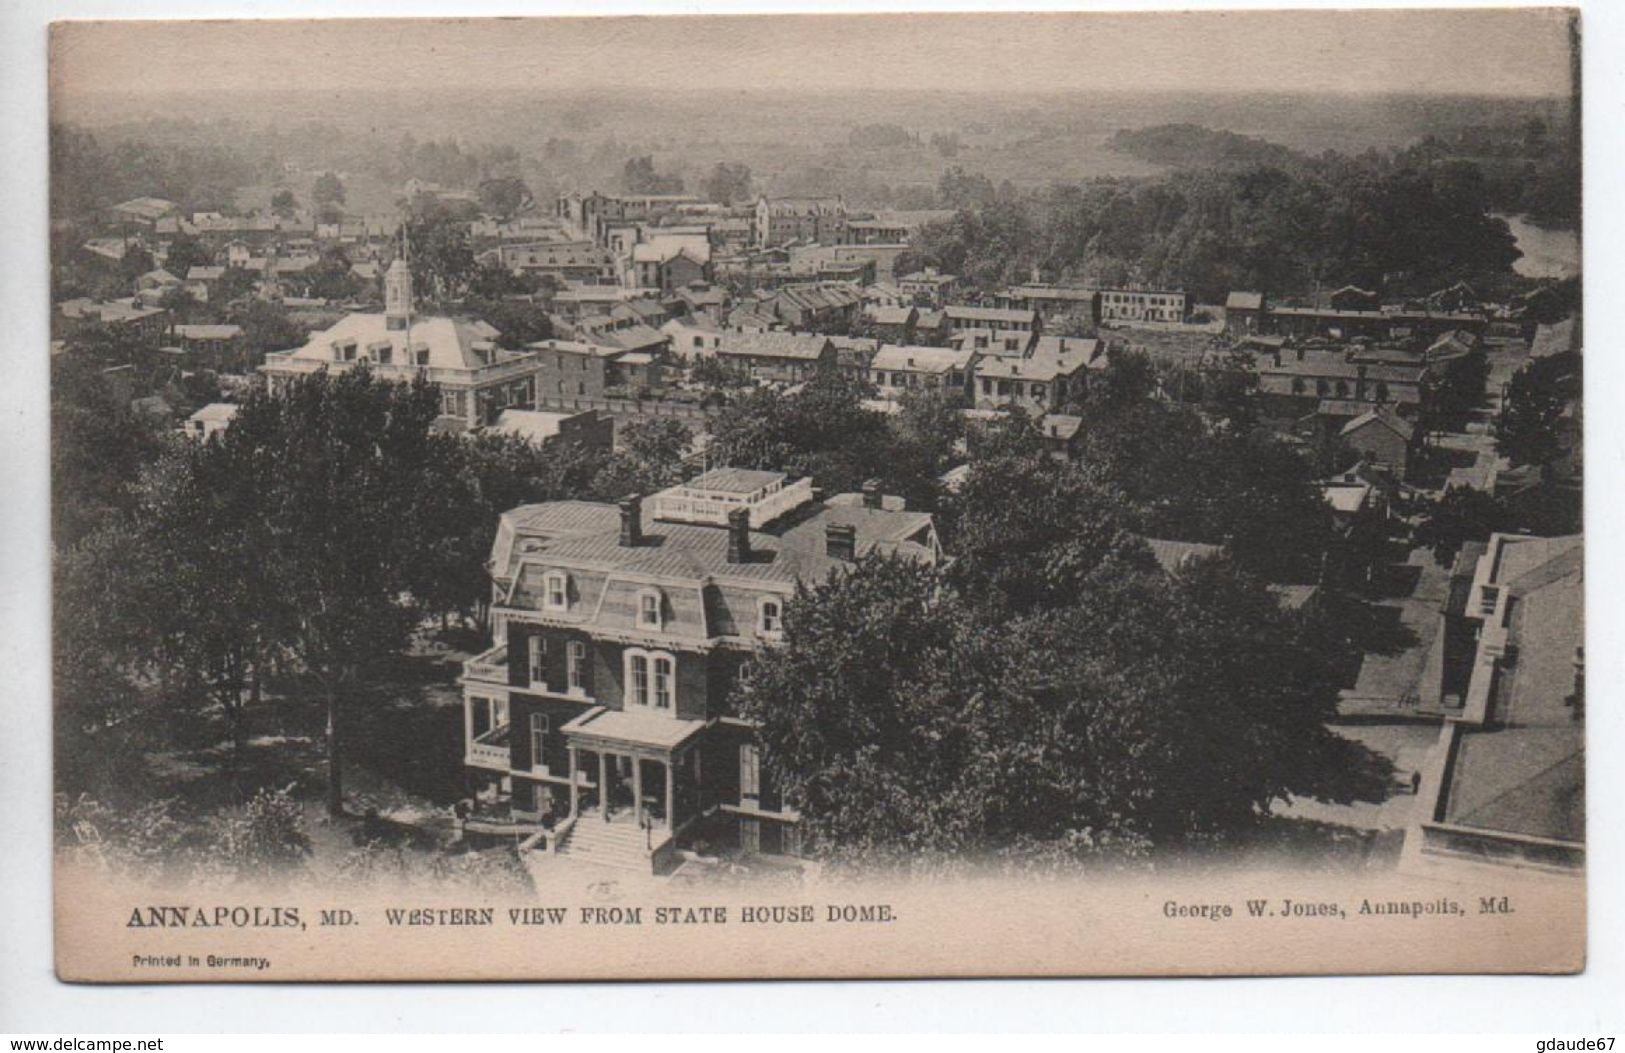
<point>711,496</point>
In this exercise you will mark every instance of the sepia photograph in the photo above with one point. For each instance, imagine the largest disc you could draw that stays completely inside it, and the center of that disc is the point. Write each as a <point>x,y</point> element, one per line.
<point>839,495</point>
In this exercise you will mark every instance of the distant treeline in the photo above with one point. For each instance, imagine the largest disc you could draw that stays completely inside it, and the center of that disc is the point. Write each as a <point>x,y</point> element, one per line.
<point>90,172</point>
<point>1528,166</point>
<point>1182,145</point>
<point>1397,223</point>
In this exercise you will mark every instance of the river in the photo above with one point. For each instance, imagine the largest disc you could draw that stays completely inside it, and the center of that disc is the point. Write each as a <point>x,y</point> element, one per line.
<point>1548,252</point>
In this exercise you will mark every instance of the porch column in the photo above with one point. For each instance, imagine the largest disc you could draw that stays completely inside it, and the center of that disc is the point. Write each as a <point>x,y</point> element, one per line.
<point>637,790</point>
<point>603,784</point>
<point>671,799</point>
<point>575,791</point>
<point>468,725</point>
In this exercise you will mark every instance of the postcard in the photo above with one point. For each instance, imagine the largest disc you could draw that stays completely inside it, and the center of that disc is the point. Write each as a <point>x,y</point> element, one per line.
<point>894,495</point>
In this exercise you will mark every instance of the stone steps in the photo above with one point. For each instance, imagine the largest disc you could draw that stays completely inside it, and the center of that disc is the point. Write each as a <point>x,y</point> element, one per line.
<point>620,845</point>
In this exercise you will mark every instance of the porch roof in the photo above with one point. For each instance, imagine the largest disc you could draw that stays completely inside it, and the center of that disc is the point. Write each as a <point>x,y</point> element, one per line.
<point>619,727</point>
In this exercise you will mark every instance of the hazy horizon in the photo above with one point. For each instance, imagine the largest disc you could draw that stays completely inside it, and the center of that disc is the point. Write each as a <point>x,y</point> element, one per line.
<point>1491,53</point>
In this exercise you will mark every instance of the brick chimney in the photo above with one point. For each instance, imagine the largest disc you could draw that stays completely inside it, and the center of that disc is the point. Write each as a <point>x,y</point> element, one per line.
<point>841,542</point>
<point>871,493</point>
<point>631,521</point>
<point>739,535</point>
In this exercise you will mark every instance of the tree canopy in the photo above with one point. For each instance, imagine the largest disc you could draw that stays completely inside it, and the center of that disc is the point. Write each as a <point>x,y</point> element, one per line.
<point>1371,220</point>
<point>909,726</point>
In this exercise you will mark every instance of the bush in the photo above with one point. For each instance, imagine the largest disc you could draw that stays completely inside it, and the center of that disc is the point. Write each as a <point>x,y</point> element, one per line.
<point>269,834</point>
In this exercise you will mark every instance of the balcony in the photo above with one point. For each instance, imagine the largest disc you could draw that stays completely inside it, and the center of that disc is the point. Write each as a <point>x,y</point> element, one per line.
<point>490,750</point>
<point>491,667</point>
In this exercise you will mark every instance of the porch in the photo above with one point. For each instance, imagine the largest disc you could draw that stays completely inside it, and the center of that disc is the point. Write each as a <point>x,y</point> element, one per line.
<point>633,785</point>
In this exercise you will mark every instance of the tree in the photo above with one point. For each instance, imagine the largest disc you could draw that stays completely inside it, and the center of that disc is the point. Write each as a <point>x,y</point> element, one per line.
<point>468,482</point>
<point>932,424</point>
<point>328,190</point>
<point>186,252</point>
<point>718,375</point>
<point>1451,393</point>
<point>283,203</point>
<point>98,450</point>
<point>179,302</point>
<point>331,279</point>
<point>505,198</point>
<point>442,258</point>
<point>1127,383</point>
<point>1027,529</point>
<point>651,457</point>
<point>520,322</point>
<point>639,177</point>
<point>266,327</point>
<point>822,430</point>
<point>728,183</point>
<point>907,725</point>
<point>866,717</point>
<point>331,476</point>
<point>1460,515</point>
<point>492,281</point>
<point>216,616</point>
<point>233,285</point>
<point>1527,430</point>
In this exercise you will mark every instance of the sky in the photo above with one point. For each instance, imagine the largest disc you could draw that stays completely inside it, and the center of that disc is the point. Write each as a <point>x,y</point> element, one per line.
<point>1461,51</point>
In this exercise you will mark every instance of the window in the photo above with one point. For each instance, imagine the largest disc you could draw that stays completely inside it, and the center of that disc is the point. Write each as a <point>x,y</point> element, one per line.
<point>575,662</point>
<point>538,739</point>
<point>771,619</point>
<point>538,659</point>
<point>637,681</point>
<point>651,679</point>
<point>557,594</point>
<point>663,678</point>
<point>649,613</point>
<point>750,773</point>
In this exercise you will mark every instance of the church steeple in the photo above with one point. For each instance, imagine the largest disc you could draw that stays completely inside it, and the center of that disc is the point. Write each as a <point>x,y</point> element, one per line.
<point>398,291</point>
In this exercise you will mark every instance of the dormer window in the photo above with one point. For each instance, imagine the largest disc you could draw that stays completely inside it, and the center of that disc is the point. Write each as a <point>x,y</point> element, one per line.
<point>650,615</point>
<point>556,591</point>
<point>770,616</point>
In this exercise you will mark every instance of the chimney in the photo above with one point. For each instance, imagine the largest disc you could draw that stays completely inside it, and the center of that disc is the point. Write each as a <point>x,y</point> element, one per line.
<point>841,542</point>
<point>631,521</point>
<point>871,493</point>
<point>739,535</point>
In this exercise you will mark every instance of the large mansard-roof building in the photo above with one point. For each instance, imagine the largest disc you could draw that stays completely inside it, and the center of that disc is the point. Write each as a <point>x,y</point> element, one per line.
<point>603,708</point>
